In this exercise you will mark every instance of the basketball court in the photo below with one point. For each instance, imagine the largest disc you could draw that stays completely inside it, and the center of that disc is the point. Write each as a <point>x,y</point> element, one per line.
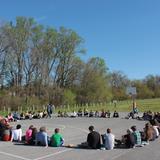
<point>75,131</point>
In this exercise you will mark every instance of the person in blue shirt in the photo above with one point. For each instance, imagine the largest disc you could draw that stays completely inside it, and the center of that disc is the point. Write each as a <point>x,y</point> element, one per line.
<point>42,138</point>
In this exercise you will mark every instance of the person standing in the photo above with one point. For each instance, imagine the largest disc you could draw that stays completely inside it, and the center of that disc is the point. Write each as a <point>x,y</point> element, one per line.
<point>50,108</point>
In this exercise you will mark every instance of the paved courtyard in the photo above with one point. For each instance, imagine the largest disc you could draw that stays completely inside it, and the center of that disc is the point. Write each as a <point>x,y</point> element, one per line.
<point>75,131</point>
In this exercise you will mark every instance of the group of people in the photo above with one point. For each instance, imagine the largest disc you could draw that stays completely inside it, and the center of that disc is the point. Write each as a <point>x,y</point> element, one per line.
<point>41,138</point>
<point>148,115</point>
<point>133,138</point>
<point>47,113</point>
<point>94,140</point>
<point>91,113</point>
<point>32,135</point>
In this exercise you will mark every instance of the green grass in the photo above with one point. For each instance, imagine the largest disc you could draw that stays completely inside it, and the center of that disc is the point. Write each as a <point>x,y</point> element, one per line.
<point>143,105</point>
<point>2,113</point>
<point>122,106</point>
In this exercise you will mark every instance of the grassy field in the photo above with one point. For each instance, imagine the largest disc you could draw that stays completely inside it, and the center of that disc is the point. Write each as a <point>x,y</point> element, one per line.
<point>143,105</point>
<point>121,106</point>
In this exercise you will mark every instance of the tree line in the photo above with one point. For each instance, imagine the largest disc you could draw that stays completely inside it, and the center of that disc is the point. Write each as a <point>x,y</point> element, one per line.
<point>40,64</point>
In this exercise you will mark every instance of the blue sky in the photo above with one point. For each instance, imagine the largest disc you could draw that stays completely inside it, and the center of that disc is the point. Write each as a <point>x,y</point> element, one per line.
<point>125,33</point>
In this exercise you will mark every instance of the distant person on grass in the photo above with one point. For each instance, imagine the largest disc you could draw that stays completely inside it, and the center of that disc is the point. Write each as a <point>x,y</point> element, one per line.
<point>57,139</point>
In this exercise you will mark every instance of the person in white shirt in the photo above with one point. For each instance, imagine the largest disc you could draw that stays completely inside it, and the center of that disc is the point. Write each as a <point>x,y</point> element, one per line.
<point>109,139</point>
<point>73,114</point>
<point>17,134</point>
<point>156,132</point>
<point>155,127</point>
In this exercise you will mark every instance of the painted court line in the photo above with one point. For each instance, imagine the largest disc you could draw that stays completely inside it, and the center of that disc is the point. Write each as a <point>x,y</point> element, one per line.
<point>53,154</point>
<point>14,156</point>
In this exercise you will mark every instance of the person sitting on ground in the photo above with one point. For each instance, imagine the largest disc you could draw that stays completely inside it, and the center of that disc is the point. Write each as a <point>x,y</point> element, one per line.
<point>34,115</point>
<point>17,134</point>
<point>103,114</point>
<point>93,139</point>
<point>32,140</point>
<point>108,114</point>
<point>128,139</point>
<point>65,114</point>
<point>28,135</point>
<point>109,140</point>
<point>29,115</point>
<point>155,129</point>
<point>42,137</point>
<point>73,114</point>
<point>137,136</point>
<point>22,116</point>
<point>97,113</point>
<point>79,113</point>
<point>10,117</point>
<point>60,114</point>
<point>115,114</point>
<point>44,114</point>
<point>7,133</point>
<point>157,124</point>
<point>85,112</point>
<point>3,123</point>
<point>16,116</point>
<point>91,113</point>
<point>57,139</point>
<point>40,114</point>
<point>147,135</point>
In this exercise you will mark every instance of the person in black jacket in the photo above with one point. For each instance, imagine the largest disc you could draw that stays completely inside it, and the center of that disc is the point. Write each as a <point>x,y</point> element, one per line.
<point>93,139</point>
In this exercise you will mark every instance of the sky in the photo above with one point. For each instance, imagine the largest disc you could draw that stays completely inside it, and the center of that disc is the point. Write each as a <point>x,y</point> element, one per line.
<point>125,33</point>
